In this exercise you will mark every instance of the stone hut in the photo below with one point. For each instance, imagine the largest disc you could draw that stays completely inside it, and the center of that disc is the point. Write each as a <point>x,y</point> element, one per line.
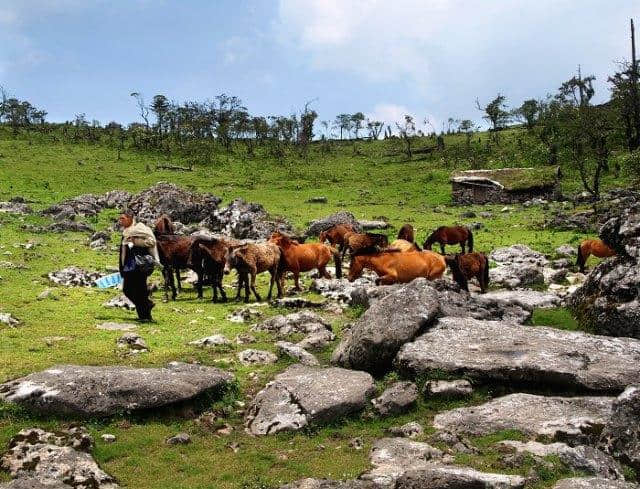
<point>504,185</point>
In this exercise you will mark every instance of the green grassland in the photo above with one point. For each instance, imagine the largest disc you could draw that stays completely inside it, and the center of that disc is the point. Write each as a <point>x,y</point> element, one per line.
<point>353,176</point>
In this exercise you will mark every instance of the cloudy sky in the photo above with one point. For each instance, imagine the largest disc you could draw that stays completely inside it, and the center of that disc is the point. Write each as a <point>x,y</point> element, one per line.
<point>428,58</point>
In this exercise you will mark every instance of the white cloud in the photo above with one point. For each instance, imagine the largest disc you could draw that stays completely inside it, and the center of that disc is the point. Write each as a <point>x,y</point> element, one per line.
<point>391,114</point>
<point>235,49</point>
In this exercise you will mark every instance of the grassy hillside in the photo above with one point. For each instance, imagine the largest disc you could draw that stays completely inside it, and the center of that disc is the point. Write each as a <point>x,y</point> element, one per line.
<point>358,177</point>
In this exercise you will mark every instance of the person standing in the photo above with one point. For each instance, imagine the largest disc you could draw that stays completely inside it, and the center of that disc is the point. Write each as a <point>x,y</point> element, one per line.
<point>138,252</point>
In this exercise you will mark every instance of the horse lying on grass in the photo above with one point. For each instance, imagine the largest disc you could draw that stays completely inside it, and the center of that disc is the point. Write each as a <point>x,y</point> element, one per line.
<point>251,259</point>
<point>595,247</point>
<point>298,258</point>
<point>465,267</point>
<point>398,267</point>
<point>445,235</point>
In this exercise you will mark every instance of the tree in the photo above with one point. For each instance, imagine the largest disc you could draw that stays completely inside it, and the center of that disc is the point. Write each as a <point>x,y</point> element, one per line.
<point>307,118</point>
<point>495,112</point>
<point>529,112</point>
<point>160,107</point>
<point>407,131</point>
<point>356,122</point>
<point>142,107</point>
<point>375,128</point>
<point>343,122</point>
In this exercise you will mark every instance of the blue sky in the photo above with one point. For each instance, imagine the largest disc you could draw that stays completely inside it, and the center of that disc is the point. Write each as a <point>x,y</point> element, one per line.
<point>428,58</point>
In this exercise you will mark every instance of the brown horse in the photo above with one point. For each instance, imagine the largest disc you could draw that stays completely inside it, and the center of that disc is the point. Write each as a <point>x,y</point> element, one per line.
<point>397,267</point>
<point>164,225</point>
<point>357,243</point>
<point>406,232</point>
<point>403,245</point>
<point>250,260</point>
<point>208,258</point>
<point>335,235</point>
<point>594,247</point>
<point>174,252</point>
<point>465,267</point>
<point>450,235</point>
<point>298,258</point>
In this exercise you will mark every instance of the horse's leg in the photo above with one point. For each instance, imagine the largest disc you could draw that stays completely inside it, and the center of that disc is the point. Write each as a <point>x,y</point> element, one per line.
<point>172,284</point>
<point>253,286</point>
<point>220,278</point>
<point>178,279</point>
<point>273,273</point>
<point>387,279</point>
<point>165,272</point>
<point>246,286</point>
<point>462,246</point>
<point>322,271</point>
<point>441,248</point>
<point>296,279</point>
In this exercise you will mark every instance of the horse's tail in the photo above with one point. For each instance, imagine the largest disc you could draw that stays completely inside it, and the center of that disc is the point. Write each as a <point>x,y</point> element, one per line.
<point>337,259</point>
<point>581,260</point>
<point>485,273</point>
<point>470,241</point>
<point>456,271</point>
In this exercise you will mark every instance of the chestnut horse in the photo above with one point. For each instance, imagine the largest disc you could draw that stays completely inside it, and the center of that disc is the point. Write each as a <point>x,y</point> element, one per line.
<point>298,258</point>
<point>450,235</point>
<point>335,235</point>
<point>406,232</point>
<point>594,247</point>
<point>465,267</point>
<point>397,267</point>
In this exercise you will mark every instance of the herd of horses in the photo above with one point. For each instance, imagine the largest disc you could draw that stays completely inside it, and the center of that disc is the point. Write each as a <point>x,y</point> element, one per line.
<point>400,261</point>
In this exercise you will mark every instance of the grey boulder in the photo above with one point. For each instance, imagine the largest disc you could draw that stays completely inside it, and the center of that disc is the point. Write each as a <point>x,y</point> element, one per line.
<point>297,353</point>
<point>303,395</point>
<point>397,398</point>
<point>452,389</point>
<point>342,217</point>
<point>621,435</point>
<point>593,483</point>
<point>576,420</point>
<point>375,338</point>
<point>105,391</point>
<point>502,352</point>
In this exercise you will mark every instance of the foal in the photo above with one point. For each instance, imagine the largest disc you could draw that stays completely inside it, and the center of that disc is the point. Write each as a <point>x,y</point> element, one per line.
<point>465,267</point>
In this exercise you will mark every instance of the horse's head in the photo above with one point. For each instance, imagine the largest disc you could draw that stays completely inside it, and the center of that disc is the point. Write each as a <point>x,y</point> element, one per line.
<point>356,267</point>
<point>322,237</point>
<point>280,239</point>
<point>125,220</point>
<point>428,243</point>
<point>229,259</point>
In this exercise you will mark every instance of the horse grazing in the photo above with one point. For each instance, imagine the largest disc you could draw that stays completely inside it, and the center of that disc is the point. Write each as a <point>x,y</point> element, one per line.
<point>397,267</point>
<point>465,267</point>
<point>594,247</point>
<point>450,235</point>
<point>364,243</point>
<point>406,233</point>
<point>175,253</point>
<point>298,258</point>
<point>250,260</point>
<point>208,258</point>
<point>403,245</point>
<point>335,235</point>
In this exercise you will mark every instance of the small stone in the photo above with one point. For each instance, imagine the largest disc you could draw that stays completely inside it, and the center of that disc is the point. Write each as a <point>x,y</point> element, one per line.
<point>109,326</point>
<point>356,443</point>
<point>133,342</point>
<point>296,352</point>
<point>408,430</point>
<point>179,439</point>
<point>451,389</point>
<point>245,338</point>
<point>9,320</point>
<point>211,341</point>
<point>46,294</point>
<point>108,438</point>
<point>256,357</point>
<point>398,398</point>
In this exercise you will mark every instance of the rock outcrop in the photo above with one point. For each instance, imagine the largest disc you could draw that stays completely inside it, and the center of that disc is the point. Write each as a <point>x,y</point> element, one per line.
<point>494,351</point>
<point>621,435</point>
<point>609,301</point>
<point>245,220</point>
<point>105,391</point>
<point>574,420</point>
<point>375,338</point>
<point>302,396</point>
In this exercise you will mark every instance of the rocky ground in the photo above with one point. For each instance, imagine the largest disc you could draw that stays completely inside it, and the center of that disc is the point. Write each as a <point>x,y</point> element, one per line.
<point>563,404</point>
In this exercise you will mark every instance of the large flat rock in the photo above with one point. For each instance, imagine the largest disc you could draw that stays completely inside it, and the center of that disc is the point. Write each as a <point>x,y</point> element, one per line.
<point>593,483</point>
<point>375,338</point>
<point>497,351</point>
<point>576,420</point>
<point>104,391</point>
<point>303,395</point>
<point>455,477</point>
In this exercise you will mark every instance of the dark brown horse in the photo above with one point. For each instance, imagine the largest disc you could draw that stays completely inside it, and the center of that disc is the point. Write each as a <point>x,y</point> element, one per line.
<point>208,256</point>
<point>358,243</point>
<point>335,235</point>
<point>445,235</point>
<point>465,267</point>
<point>165,227</point>
<point>406,232</point>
